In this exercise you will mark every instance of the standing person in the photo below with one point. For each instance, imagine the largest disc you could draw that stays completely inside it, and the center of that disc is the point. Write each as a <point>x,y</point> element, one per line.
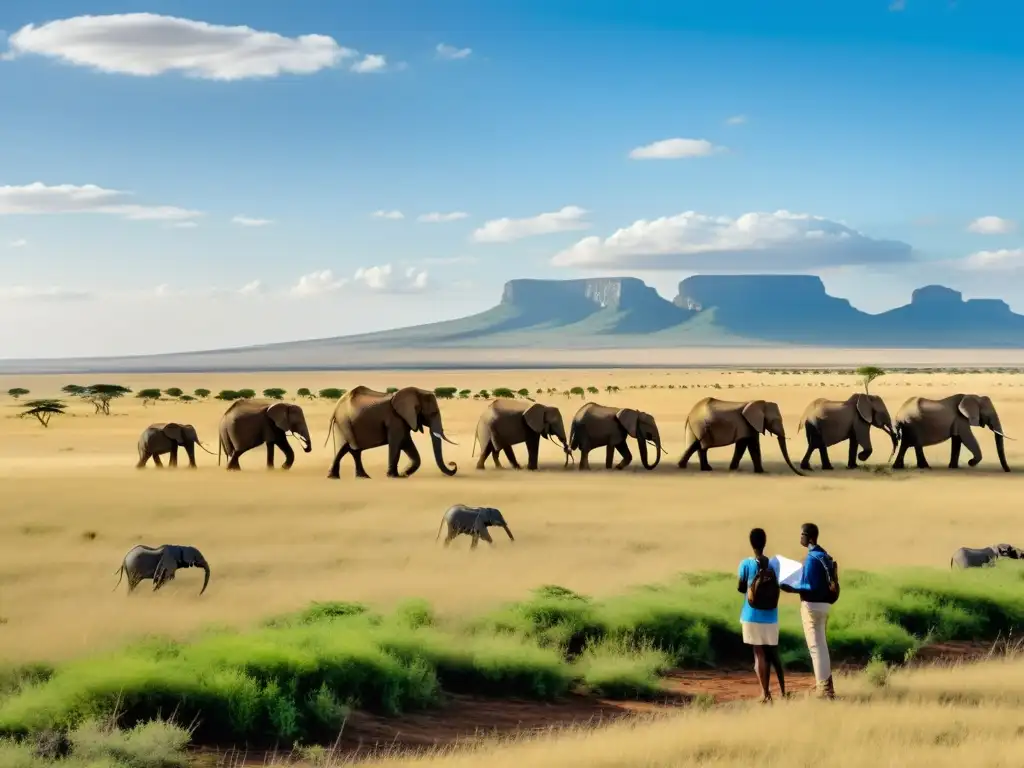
<point>818,590</point>
<point>759,618</point>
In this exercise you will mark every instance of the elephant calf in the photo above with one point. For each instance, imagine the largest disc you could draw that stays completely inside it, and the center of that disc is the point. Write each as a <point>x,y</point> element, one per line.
<point>159,564</point>
<point>157,439</point>
<point>473,521</point>
<point>974,557</point>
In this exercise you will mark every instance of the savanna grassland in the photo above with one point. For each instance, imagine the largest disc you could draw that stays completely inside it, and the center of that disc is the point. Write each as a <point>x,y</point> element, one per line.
<point>277,541</point>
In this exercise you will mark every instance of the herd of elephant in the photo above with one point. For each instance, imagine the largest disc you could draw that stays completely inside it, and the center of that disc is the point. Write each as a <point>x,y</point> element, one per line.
<point>365,418</point>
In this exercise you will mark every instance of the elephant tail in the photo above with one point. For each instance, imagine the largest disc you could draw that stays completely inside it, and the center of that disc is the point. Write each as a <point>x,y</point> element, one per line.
<point>120,575</point>
<point>330,430</point>
<point>220,444</point>
<point>472,453</point>
<point>439,529</point>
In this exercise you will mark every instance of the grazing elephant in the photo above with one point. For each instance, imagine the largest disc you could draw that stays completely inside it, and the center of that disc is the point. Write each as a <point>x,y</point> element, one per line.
<point>165,438</point>
<point>972,557</point>
<point>159,564</point>
<point>714,423</point>
<point>249,423</point>
<point>508,422</point>
<point>365,418</point>
<point>921,422</point>
<point>831,421</point>
<point>601,426</point>
<point>473,521</point>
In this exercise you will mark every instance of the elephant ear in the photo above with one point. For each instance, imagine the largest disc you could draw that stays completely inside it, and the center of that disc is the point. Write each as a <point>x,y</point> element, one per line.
<point>278,413</point>
<point>753,412</point>
<point>174,432</point>
<point>534,417</point>
<point>970,407</point>
<point>629,418</point>
<point>407,405</point>
<point>863,405</point>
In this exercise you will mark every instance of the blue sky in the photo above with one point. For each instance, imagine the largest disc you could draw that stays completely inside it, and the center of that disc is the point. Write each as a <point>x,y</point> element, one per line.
<point>554,139</point>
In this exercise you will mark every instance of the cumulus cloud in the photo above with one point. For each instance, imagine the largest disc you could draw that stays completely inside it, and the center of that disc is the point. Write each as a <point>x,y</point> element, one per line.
<point>386,279</point>
<point>21,242</point>
<point>370,63</point>
<point>45,293</point>
<point>147,44</point>
<point>437,218</point>
<point>253,288</point>
<point>991,225</point>
<point>566,219</point>
<point>779,241</point>
<point>248,221</point>
<point>1004,260</point>
<point>39,198</point>
<point>394,215</point>
<point>672,149</point>
<point>451,53</point>
<point>318,283</point>
<point>736,120</point>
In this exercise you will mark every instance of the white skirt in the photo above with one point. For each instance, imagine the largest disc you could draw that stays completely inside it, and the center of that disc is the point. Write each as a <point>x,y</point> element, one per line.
<point>755,633</point>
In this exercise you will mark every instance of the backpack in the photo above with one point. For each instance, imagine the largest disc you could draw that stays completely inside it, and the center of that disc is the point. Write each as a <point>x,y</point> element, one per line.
<point>763,592</point>
<point>832,576</point>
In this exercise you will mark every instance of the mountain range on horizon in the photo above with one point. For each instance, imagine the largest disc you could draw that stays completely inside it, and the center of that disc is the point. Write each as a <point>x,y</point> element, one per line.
<point>740,311</point>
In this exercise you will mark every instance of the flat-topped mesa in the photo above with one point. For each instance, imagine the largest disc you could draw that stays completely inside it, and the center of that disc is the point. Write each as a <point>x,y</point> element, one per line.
<point>775,291</point>
<point>943,299</point>
<point>937,296</point>
<point>600,292</point>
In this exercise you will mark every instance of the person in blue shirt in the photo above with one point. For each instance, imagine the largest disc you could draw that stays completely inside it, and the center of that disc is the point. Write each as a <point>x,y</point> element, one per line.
<point>814,606</point>
<point>760,625</point>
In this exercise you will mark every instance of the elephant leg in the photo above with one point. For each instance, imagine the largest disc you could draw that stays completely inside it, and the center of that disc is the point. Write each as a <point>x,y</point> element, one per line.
<point>609,456</point>
<point>954,452</point>
<point>451,535</point>
<point>408,446</point>
<point>755,454</point>
<point>173,462</point>
<point>476,540</point>
<point>922,462</point>
<point>702,455</point>
<point>157,462</point>
<point>394,451</point>
<point>585,450</point>
<point>190,449</point>
<point>270,454</point>
<point>694,446</point>
<point>970,442</point>
<point>532,450</point>
<point>234,457</point>
<point>335,471</point>
<point>484,454</point>
<point>901,453</point>
<point>805,462</point>
<point>851,458</point>
<point>495,457</point>
<point>143,458</point>
<point>510,455</point>
<point>357,457</point>
<point>627,455</point>
<point>737,454</point>
<point>826,462</point>
<point>289,455</point>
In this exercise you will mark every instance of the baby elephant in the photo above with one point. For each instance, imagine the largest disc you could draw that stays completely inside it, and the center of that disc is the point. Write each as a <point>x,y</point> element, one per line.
<point>159,564</point>
<point>473,521</point>
<point>972,557</point>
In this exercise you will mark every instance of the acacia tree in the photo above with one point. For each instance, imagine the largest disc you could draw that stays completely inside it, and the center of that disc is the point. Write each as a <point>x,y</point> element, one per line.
<point>332,393</point>
<point>17,392</point>
<point>174,392</point>
<point>577,391</point>
<point>445,393</point>
<point>148,396</point>
<point>869,373</point>
<point>100,395</point>
<point>228,395</point>
<point>43,410</point>
<point>247,394</point>
<point>503,392</point>
<point>202,394</point>
<point>274,393</point>
<point>304,392</point>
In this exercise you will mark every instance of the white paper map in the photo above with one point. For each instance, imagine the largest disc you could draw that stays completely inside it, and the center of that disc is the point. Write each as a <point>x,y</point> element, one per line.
<point>789,571</point>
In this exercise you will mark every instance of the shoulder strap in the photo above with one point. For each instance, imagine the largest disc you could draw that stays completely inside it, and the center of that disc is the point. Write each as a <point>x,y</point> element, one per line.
<point>828,571</point>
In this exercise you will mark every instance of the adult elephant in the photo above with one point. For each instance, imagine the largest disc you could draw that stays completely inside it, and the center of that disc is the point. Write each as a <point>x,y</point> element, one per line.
<point>158,439</point>
<point>249,423</point>
<point>921,422</point>
<point>365,418</point>
<point>601,426</point>
<point>828,422</point>
<point>714,423</point>
<point>507,422</point>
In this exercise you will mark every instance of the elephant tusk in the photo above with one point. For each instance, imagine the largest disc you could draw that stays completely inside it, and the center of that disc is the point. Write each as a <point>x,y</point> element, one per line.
<point>1007,437</point>
<point>444,437</point>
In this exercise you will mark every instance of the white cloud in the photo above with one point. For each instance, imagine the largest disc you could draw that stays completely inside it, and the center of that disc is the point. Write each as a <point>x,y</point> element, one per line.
<point>438,218</point>
<point>253,288</point>
<point>147,44</point>
<point>671,149</point>
<point>1004,260</point>
<point>386,280</point>
<point>19,243</point>
<point>39,198</point>
<point>991,225</point>
<point>451,53</point>
<point>47,293</point>
<point>506,230</point>
<point>736,120</point>
<point>248,221</point>
<point>395,215</point>
<point>779,241</point>
<point>370,63</point>
<point>318,283</point>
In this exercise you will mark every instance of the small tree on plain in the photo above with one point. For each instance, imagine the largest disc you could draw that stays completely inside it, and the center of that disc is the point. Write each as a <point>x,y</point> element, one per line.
<point>465,393</point>
<point>503,392</point>
<point>247,394</point>
<point>228,395</point>
<point>148,396</point>
<point>187,399</point>
<point>174,392</point>
<point>445,393</point>
<point>202,394</point>
<point>391,390</point>
<point>100,395</point>
<point>304,392</point>
<point>43,410</point>
<point>869,373</point>
<point>524,392</point>
<point>592,390</point>
<point>274,393</point>
<point>577,391</point>
<point>483,394</point>
<point>17,392</point>
<point>332,393</point>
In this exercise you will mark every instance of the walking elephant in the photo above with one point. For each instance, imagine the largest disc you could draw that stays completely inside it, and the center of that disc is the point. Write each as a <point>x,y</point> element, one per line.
<point>365,418</point>
<point>249,423</point>
<point>158,439</point>
<point>828,422</point>
<point>159,564</point>
<point>978,557</point>
<point>472,521</point>
<point>601,426</point>
<point>714,423</point>
<point>921,422</point>
<point>507,422</point>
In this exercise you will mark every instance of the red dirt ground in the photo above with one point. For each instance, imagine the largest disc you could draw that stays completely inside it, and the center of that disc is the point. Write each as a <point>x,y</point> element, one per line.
<point>466,719</point>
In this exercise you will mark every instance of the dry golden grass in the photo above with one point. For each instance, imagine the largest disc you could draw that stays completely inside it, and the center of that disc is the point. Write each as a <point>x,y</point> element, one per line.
<point>277,540</point>
<point>936,718</point>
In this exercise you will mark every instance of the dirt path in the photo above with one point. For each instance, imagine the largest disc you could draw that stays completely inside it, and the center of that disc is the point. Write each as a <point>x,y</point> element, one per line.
<point>466,719</point>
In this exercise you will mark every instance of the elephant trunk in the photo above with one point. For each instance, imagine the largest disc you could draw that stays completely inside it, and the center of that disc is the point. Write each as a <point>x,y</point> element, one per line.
<point>1001,452</point>
<point>206,449</point>
<point>657,448</point>
<point>509,532</point>
<point>892,436</point>
<point>206,577</point>
<point>785,454</point>
<point>451,468</point>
